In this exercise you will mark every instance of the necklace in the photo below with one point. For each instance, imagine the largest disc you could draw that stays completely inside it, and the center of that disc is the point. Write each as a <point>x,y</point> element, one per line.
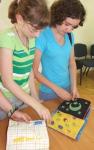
<point>22,38</point>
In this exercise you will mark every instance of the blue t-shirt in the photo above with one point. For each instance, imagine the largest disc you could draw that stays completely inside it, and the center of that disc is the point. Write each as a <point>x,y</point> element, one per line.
<point>55,59</point>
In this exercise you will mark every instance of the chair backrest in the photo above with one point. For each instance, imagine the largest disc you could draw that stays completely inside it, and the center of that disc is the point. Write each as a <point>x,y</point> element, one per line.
<point>80,50</point>
<point>92,50</point>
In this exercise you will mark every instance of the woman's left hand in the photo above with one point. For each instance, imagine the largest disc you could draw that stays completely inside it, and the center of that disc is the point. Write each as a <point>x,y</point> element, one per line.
<point>75,93</point>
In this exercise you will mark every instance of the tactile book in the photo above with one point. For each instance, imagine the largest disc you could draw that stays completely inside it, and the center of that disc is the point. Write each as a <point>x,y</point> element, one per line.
<point>27,136</point>
<point>78,107</point>
<point>71,117</point>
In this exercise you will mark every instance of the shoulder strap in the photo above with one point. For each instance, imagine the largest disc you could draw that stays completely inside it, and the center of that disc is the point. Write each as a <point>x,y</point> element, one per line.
<point>70,38</point>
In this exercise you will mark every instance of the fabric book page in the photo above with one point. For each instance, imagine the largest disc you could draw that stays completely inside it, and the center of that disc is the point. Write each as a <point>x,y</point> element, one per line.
<point>78,107</point>
<point>66,124</point>
<point>27,136</point>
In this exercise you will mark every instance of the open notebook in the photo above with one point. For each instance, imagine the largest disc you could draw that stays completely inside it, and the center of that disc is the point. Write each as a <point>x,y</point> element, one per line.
<point>71,117</point>
<point>23,136</point>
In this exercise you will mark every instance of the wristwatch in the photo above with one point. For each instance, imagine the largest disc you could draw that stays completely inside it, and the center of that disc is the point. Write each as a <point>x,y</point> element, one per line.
<point>11,111</point>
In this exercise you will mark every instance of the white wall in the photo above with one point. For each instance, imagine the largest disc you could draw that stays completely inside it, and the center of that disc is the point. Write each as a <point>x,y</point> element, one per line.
<point>83,34</point>
<point>4,21</point>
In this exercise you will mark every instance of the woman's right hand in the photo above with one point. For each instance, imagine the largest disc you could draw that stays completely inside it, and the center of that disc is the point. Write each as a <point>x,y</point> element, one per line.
<point>21,116</point>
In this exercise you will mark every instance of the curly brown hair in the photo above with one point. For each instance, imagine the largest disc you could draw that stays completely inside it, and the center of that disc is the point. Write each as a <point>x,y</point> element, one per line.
<point>61,9</point>
<point>33,11</point>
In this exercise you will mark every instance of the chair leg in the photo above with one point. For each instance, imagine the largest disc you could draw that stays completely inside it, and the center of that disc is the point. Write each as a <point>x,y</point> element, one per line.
<point>80,76</point>
<point>87,71</point>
